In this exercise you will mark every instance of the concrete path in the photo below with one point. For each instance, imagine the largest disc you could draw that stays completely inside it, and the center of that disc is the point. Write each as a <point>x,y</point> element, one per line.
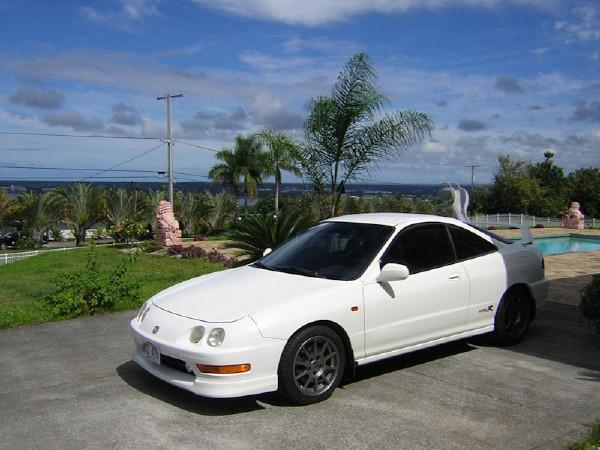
<point>72,385</point>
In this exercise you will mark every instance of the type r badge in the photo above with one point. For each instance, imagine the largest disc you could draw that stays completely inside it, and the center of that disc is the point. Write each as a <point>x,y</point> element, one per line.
<point>487,309</point>
<point>155,329</point>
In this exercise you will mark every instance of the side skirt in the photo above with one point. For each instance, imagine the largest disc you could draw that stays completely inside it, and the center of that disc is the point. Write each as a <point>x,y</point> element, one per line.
<point>412,348</point>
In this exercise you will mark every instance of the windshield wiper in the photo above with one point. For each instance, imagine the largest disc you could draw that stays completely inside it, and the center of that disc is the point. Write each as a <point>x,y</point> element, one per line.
<point>260,265</point>
<point>299,271</point>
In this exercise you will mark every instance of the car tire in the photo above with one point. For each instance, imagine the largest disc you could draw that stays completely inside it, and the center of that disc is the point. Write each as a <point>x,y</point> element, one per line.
<point>512,317</point>
<point>312,365</point>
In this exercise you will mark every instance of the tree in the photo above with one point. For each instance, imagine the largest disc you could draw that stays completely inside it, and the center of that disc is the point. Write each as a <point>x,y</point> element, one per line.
<point>344,135</point>
<point>187,205</point>
<point>119,206</point>
<point>281,155</point>
<point>217,209</point>
<point>553,184</point>
<point>81,209</point>
<point>513,189</point>
<point>585,188</point>
<point>36,212</point>
<point>246,161</point>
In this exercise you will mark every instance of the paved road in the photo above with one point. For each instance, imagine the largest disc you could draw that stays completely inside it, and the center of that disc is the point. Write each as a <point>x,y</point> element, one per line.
<point>72,385</point>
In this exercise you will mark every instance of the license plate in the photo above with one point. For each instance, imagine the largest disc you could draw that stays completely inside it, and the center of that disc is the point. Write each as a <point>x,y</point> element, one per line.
<point>151,352</point>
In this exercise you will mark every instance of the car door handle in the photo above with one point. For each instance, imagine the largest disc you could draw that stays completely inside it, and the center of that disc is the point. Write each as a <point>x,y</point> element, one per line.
<point>454,276</point>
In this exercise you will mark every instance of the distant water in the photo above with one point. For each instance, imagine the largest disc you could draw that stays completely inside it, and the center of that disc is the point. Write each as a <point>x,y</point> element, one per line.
<point>418,190</point>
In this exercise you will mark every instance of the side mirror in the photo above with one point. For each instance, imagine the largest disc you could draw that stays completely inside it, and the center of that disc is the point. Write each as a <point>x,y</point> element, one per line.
<point>267,251</point>
<point>393,272</point>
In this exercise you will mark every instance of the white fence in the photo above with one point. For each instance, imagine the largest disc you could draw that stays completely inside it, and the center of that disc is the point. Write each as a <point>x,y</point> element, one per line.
<point>525,219</point>
<point>7,258</point>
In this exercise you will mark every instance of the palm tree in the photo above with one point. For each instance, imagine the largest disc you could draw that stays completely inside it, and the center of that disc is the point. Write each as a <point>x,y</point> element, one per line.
<point>187,205</point>
<point>282,155</point>
<point>119,206</point>
<point>344,134</point>
<point>217,208</point>
<point>245,161</point>
<point>36,212</point>
<point>81,208</point>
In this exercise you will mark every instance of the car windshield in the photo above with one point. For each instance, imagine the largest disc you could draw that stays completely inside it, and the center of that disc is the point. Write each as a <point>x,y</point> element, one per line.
<point>334,250</point>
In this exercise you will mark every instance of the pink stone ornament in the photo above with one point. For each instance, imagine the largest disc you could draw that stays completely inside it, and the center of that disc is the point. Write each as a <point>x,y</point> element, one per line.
<point>167,233</point>
<point>573,218</point>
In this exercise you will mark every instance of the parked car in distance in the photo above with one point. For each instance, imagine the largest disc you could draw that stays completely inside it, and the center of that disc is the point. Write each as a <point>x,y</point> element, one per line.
<point>349,291</point>
<point>11,238</point>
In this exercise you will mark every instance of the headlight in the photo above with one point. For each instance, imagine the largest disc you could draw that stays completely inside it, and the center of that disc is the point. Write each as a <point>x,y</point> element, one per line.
<point>196,334</point>
<point>216,337</point>
<point>144,310</point>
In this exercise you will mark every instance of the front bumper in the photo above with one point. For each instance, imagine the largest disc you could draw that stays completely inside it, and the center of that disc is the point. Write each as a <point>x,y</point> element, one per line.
<point>243,344</point>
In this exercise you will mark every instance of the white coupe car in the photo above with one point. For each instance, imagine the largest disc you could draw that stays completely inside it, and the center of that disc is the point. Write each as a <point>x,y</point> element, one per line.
<point>346,292</point>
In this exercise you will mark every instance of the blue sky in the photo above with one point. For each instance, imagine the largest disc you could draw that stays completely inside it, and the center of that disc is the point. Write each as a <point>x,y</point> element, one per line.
<point>516,77</point>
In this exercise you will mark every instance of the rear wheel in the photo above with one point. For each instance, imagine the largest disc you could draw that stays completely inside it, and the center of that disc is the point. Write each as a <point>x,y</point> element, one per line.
<point>312,365</point>
<point>512,318</point>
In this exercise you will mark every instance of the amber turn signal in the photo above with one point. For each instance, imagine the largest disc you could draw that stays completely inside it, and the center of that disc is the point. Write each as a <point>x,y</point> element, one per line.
<point>224,370</point>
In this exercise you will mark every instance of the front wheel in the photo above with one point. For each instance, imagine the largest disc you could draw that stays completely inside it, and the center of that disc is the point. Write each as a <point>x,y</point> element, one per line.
<point>512,318</point>
<point>312,365</point>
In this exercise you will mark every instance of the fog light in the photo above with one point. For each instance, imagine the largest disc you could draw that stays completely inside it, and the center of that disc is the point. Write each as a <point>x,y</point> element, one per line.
<point>216,337</point>
<point>196,334</point>
<point>224,370</point>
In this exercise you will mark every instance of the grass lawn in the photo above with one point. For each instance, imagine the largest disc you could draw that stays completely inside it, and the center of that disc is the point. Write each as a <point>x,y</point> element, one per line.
<point>25,283</point>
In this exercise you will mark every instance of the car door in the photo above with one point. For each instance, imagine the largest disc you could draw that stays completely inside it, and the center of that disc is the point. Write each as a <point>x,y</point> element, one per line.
<point>487,275</point>
<point>431,303</point>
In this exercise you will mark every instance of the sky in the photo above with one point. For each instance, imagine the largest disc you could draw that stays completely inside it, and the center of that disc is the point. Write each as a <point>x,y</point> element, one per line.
<point>517,77</point>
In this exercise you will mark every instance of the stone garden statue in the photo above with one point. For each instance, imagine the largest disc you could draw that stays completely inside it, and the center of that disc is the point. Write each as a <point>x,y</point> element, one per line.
<point>167,227</point>
<point>573,218</point>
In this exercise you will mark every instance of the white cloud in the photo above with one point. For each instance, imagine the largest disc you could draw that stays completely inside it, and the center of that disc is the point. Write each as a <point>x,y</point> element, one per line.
<point>585,23</point>
<point>127,13</point>
<point>320,12</point>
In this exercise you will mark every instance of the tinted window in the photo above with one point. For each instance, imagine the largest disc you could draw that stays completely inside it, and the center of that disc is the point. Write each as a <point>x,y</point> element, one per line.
<point>421,247</point>
<point>469,245</point>
<point>337,250</point>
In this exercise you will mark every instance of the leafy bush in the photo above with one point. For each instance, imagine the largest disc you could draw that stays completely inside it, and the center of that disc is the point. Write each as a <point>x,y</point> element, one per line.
<point>592,442</point>
<point>127,232</point>
<point>55,234</point>
<point>213,256</point>
<point>88,290</point>
<point>25,243</point>
<point>590,303</point>
<point>199,237</point>
<point>539,225</point>
<point>254,234</point>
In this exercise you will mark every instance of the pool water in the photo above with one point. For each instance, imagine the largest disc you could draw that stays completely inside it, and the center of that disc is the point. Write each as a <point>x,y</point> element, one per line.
<point>566,244</point>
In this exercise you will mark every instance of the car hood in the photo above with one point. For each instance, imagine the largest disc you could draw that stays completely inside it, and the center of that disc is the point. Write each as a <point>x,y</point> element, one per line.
<point>229,295</point>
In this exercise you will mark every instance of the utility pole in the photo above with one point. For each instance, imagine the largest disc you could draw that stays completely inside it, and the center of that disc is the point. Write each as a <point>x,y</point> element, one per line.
<point>472,166</point>
<point>169,140</point>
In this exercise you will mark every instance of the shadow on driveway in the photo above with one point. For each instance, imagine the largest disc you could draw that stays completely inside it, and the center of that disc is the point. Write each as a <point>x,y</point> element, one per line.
<point>139,379</point>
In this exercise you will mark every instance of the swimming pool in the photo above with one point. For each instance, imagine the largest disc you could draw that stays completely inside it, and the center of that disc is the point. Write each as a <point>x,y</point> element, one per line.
<point>566,244</point>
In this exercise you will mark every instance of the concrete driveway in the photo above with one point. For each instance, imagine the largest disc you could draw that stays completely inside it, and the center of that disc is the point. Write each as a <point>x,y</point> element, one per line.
<point>72,385</point>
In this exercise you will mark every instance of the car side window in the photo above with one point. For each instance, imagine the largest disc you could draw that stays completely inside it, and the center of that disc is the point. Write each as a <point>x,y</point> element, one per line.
<point>421,247</point>
<point>468,245</point>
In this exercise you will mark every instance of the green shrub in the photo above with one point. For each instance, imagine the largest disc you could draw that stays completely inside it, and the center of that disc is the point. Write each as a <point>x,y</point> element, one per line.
<point>55,234</point>
<point>25,243</point>
<point>127,232</point>
<point>590,303</point>
<point>88,290</point>
<point>254,234</point>
<point>592,442</point>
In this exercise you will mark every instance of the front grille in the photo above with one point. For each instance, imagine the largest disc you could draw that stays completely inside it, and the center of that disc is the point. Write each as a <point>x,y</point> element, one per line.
<point>173,363</point>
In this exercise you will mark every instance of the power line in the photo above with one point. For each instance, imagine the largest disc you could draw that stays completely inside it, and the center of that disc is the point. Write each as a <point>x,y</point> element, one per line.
<point>124,162</point>
<point>169,97</point>
<point>95,136</point>
<point>197,146</point>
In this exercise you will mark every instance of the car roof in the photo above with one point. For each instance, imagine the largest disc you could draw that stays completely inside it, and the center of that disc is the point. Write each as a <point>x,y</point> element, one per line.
<point>391,219</point>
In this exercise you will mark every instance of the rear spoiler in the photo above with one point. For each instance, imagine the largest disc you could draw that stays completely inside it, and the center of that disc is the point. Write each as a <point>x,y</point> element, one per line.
<point>526,237</point>
<point>460,204</point>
